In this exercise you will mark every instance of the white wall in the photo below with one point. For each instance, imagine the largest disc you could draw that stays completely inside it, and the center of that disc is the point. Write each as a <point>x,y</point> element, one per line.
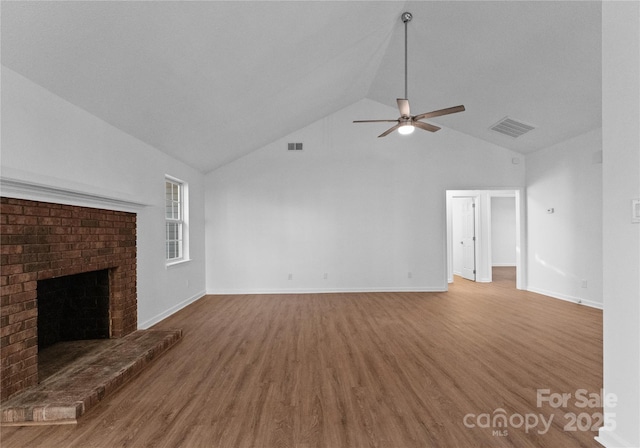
<point>365,211</point>
<point>75,158</point>
<point>565,247</point>
<point>621,181</point>
<point>503,231</point>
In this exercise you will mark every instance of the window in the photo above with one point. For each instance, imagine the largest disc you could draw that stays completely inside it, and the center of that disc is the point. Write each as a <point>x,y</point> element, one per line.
<point>176,220</point>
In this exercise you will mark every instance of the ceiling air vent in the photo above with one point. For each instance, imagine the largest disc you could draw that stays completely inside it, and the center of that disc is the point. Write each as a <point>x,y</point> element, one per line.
<point>294,146</point>
<point>512,128</point>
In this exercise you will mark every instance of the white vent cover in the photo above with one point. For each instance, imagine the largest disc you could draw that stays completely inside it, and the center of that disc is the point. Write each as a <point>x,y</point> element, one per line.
<point>512,128</point>
<point>294,146</point>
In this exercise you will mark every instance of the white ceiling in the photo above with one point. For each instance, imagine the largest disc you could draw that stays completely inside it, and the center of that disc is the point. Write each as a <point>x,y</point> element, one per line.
<point>208,82</point>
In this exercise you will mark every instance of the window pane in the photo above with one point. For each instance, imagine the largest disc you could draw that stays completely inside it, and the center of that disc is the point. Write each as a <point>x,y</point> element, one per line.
<point>172,231</point>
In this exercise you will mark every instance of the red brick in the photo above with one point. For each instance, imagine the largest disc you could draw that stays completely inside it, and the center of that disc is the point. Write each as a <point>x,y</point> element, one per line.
<point>12,229</point>
<point>31,323</point>
<point>22,219</point>
<point>10,249</point>
<point>21,258</point>
<point>23,297</point>
<point>36,211</point>
<point>14,308</point>
<point>23,335</point>
<point>12,269</point>
<point>63,213</point>
<point>7,209</point>
<point>39,266</point>
<point>11,289</point>
<point>8,330</point>
<point>23,316</point>
<point>21,278</point>
<point>36,248</point>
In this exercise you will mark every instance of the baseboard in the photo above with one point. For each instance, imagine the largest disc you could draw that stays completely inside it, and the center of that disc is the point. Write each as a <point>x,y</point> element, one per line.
<point>323,290</point>
<point>566,297</point>
<point>503,265</point>
<point>610,439</point>
<point>174,309</point>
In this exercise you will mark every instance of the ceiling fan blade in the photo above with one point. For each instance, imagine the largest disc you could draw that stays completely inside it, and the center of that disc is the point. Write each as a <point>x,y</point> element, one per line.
<point>425,126</point>
<point>390,130</point>
<point>374,121</point>
<point>403,107</point>
<point>437,113</point>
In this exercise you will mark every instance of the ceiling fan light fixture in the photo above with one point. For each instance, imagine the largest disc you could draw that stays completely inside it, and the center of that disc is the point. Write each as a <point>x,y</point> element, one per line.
<point>406,129</point>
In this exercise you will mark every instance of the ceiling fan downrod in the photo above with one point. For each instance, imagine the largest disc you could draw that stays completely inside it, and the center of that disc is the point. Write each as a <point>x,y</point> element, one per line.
<point>406,18</point>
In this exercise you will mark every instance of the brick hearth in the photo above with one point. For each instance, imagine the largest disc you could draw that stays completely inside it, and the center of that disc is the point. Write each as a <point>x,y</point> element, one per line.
<point>42,240</point>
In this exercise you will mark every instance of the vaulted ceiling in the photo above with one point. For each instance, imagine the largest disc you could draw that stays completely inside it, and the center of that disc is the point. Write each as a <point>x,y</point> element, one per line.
<point>208,82</point>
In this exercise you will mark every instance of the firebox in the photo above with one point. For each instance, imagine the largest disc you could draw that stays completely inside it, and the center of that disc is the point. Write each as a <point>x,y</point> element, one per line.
<point>73,307</point>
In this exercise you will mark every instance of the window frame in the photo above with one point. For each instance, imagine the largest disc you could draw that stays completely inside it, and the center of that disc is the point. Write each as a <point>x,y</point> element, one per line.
<point>180,237</point>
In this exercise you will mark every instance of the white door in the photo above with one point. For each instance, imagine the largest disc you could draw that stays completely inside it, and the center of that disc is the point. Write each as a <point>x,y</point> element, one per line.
<point>468,238</point>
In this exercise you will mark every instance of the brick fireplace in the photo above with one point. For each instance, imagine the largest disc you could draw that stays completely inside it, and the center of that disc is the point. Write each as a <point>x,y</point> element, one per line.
<point>41,241</point>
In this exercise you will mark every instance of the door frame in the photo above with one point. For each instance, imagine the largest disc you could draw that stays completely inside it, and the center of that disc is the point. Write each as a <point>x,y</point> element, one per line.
<point>483,231</point>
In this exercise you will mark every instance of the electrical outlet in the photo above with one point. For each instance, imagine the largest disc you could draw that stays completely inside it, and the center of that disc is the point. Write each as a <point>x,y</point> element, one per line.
<point>290,276</point>
<point>583,284</point>
<point>409,275</point>
<point>326,276</point>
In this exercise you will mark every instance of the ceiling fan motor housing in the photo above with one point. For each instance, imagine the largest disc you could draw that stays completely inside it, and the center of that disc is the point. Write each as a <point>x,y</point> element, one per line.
<point>406,17</point>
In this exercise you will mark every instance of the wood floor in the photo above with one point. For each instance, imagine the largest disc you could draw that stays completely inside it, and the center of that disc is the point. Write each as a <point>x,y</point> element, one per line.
<point>353,370</point>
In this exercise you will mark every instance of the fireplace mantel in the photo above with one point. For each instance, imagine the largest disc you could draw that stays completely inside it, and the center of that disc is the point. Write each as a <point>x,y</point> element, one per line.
<point>65,193</point>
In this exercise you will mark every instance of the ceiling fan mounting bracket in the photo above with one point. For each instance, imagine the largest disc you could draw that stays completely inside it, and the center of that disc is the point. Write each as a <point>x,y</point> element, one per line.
<point>406,17</point>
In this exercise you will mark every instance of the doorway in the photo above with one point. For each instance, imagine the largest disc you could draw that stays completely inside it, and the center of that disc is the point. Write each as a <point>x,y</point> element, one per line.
<point>468,251</point>
<point>464,237</point>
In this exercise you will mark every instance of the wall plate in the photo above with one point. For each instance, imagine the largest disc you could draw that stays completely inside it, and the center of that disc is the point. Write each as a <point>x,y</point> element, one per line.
<point>635,210</point>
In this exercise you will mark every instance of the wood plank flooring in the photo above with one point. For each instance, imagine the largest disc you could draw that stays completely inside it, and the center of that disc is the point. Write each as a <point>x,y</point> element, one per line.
<point>353,370</point>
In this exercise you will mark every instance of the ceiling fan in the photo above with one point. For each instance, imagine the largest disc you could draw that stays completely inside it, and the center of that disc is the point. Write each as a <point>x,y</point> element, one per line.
<point>407,123</point>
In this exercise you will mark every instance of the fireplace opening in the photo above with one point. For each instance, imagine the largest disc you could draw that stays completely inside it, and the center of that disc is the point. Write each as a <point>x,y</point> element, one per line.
<point>70,309</point>
<point>73,307</point>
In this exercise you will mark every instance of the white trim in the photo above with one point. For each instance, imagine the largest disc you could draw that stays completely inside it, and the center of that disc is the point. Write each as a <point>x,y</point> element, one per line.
<point>504,265</point>
<point>610,439</point>
<point>565,297</point>
<point>34,191</point>
<point>174,309</point>
<point>322,290</point>
<point>176,262</point>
